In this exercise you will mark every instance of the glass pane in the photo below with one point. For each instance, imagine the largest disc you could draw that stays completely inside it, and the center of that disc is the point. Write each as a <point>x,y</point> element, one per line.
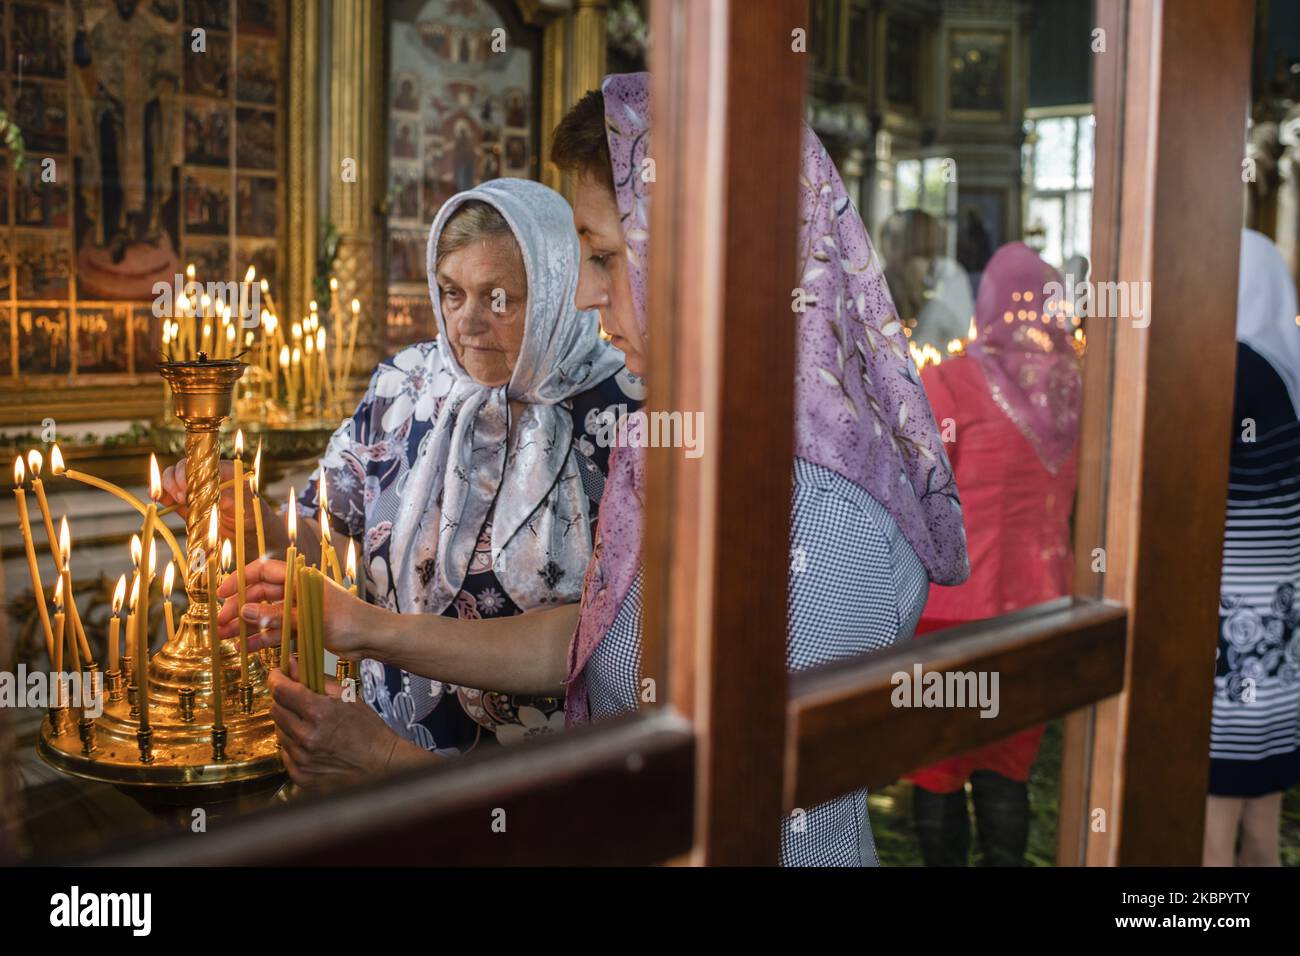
<point>1054,153</point>
<point>908,179</point>
<point>1087,129</point>
<point>969,255</point>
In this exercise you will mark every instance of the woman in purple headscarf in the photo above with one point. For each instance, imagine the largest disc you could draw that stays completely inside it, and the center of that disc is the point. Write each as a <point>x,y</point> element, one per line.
<point>1012,406</point>
<point>875,513</point>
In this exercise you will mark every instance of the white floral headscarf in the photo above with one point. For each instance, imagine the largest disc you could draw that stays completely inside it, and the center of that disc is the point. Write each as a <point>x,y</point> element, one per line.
<point>467,464</point>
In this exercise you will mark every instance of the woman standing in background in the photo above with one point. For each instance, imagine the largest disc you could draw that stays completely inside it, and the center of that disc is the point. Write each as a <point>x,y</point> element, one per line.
<point>1255,729</point>
<point>1009,413</point>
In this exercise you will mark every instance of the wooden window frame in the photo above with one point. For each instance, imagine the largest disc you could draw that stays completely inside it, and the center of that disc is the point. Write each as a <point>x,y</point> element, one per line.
<point>733,741</point>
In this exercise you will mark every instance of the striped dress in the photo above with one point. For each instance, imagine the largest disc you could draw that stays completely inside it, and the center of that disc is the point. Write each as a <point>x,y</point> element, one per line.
<point>1255,733</point>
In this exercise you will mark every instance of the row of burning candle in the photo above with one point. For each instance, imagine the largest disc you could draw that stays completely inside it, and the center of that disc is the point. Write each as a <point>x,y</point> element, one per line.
<point>299,364</point>
<point>66,630</point>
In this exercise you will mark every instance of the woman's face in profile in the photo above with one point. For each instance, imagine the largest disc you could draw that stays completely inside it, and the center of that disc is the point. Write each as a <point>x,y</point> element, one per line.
<point>484,292</point>
<point>603,281</point>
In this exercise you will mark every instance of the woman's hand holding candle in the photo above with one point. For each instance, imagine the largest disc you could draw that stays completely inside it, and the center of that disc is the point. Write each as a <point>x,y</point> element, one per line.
<point>327,741</point>
<point>345,616</point>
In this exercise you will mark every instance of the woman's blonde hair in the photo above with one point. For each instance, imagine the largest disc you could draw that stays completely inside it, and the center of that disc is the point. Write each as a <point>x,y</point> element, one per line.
<point>474,221</point>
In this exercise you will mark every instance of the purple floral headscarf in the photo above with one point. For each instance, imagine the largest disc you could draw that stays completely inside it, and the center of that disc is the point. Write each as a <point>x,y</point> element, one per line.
<point>859,407</point>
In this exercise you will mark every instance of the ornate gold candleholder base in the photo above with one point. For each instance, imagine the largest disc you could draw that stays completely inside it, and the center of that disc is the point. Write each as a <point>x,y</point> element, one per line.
<point>180,742</point>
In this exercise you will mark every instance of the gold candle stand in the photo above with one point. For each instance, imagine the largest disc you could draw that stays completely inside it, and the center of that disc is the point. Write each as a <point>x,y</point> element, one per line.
<point>184,748</point>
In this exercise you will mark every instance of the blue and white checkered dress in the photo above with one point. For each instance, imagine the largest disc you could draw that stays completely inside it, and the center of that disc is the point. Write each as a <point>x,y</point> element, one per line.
<point>855,586</point>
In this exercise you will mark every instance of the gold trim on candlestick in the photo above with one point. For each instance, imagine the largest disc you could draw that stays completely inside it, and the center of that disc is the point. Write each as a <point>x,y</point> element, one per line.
<point>86,729</point>
<point>113,681</point>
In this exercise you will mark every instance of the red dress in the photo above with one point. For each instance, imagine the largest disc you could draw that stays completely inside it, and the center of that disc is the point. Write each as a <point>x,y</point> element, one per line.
<point>1017,531</point>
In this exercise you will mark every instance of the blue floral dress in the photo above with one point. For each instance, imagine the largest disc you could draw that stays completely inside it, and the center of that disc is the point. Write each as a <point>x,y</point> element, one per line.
<point>362,464</point>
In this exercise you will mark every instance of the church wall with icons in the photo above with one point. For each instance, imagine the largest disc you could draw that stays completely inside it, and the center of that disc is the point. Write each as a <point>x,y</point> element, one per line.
<point>154,138</point>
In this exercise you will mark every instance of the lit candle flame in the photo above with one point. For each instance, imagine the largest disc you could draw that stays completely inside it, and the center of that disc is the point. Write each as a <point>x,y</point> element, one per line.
<point>239,443</point>
<point>213,524</point>
<point>297,356</point>
<point>296,330</point>
<point>58,595</point>
<point>334,284</point>
<point>119,593</point>
<point>324,512</point>
<point>251,274</point>
<point>293,517</point>
<point>266,287</point>
<point>155,478</point>
<point>356,306</point>
<point>182,303</point>
<point>189,271</point>
<point>284,356</point>
<point>320,340</point>
<point>312,305</point>
<point>34,461</point>
<point>226,562</point>
<point>169,579</point>
<point>351,563</point>
<point>20,473</point>
<point>135,592</point>
<point>136,550</point>
<point>65,542</point>
<point>56,461</point>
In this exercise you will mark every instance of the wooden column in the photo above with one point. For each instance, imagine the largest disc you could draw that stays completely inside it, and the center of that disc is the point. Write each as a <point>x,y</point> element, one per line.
<point>725,143</point>
<point>1185,94</point>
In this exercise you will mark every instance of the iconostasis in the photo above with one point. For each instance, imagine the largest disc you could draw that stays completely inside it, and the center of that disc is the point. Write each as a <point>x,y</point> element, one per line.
<point>153,138</point>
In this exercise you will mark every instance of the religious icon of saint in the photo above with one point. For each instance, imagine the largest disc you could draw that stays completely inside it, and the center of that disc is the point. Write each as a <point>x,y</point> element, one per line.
<point>127,81</point>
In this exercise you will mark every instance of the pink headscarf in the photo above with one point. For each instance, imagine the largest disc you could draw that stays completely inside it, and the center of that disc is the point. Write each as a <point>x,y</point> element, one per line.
<point>859,407</point>
<point>1023,345</point>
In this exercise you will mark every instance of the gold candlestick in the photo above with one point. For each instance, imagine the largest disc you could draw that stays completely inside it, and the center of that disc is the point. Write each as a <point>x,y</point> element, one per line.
<point>194,664</point>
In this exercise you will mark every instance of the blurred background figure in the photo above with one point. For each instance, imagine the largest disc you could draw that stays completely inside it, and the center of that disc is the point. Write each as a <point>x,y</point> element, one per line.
<point>931,291</point>
<point>1009,413</point>
<point>1255,731</point>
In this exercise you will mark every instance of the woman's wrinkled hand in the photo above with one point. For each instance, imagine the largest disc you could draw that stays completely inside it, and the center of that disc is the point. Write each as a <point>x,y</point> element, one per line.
<point>325,740</point>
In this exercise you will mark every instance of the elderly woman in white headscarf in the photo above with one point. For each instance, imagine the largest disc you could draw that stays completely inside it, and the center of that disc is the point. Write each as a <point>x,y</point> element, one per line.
<point>469,476</point>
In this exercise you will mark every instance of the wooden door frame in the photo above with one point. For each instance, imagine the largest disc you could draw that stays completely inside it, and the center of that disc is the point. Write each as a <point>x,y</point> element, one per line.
<point>672,778</point>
